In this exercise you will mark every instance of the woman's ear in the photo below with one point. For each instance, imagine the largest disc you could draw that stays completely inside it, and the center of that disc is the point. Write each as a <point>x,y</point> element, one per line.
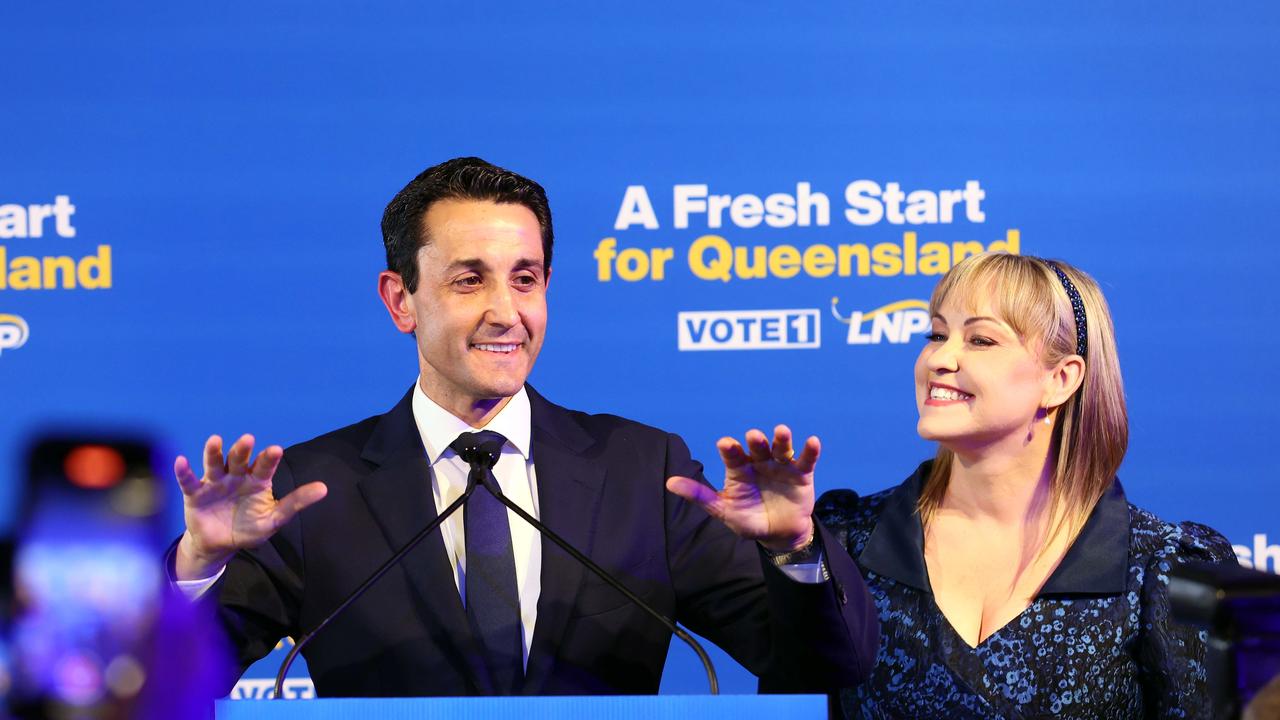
<point>1063,380</point>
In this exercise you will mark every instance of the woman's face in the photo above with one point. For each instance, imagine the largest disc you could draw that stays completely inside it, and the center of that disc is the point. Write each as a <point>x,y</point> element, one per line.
<point>977,384</point>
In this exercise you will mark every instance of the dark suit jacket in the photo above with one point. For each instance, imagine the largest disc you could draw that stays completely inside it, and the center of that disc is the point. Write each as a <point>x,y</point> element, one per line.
<point>601,486</point>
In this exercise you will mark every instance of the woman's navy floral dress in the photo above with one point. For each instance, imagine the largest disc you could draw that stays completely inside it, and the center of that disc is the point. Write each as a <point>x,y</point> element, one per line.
<point>1097,642</point>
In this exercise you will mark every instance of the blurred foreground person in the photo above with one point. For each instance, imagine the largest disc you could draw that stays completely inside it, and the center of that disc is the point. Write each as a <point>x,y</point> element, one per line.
<point>89,628</point>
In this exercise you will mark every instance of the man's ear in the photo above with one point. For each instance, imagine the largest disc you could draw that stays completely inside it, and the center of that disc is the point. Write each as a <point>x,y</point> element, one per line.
<point>1063,380</point>
<point>398,300</point>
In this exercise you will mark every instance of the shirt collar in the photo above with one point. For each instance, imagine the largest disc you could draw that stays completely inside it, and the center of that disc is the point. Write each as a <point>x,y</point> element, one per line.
<point>439,427</point>
<point>1096,563</point>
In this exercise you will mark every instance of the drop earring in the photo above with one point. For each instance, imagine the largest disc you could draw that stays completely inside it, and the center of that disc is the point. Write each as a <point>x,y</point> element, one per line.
<point>1042,413</point>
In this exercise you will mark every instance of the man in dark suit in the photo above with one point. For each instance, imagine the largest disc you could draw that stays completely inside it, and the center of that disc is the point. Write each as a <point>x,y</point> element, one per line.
<point>484,606</point>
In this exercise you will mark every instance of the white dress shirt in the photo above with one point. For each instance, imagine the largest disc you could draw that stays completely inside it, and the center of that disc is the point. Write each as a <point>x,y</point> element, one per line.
<point>515,475</point>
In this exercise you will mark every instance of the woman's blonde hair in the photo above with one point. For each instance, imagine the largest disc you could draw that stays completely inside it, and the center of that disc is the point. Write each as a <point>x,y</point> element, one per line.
<point>1092,430</point>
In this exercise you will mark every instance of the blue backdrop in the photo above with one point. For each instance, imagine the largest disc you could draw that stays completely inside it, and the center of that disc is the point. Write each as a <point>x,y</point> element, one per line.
<point>223,170</point>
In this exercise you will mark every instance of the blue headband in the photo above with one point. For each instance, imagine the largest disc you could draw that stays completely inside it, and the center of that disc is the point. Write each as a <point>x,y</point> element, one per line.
<point>1077,308</point>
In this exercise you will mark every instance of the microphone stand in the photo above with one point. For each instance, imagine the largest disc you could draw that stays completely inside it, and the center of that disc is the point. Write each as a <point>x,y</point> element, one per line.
<point>713,683</point>
<point>377,574</point>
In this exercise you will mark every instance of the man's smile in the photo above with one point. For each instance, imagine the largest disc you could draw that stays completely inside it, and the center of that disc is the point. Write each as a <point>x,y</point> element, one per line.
<point>503,348</point>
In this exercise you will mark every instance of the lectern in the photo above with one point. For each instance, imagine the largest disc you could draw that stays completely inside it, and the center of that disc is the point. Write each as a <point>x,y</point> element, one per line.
<point>649,707</point>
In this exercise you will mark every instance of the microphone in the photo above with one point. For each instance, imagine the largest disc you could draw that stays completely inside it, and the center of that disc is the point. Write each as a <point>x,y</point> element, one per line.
<point>491,484</point>
<point>377,574</point>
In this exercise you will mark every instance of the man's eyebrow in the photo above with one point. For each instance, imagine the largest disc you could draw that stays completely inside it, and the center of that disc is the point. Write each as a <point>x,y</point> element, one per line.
<point>529,264</point>
<point>467,264</point>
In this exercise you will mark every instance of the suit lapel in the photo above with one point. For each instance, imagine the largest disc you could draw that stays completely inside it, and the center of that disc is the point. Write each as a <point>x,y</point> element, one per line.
<point>569,482</point>
<point>398,493</point>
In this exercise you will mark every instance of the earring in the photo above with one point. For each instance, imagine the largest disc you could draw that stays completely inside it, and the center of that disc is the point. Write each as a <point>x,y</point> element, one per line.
<point>1047,420</point>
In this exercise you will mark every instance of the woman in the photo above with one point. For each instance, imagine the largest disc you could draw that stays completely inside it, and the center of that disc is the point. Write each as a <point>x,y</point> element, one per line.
<point>1011,577</point>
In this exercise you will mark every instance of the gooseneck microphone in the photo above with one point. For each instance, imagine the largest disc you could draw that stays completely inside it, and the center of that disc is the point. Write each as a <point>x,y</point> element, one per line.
<point>377,574</point>
<point>713,684</point>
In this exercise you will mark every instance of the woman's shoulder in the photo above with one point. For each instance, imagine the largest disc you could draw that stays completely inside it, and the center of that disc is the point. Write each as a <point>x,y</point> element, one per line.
<point>849,516</point>
<point>845,508</point>
<point>1161,540</point>
<point>852,517</point>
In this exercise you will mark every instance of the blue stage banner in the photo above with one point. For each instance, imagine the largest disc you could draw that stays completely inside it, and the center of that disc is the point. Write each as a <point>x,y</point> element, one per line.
<point>752,203</point>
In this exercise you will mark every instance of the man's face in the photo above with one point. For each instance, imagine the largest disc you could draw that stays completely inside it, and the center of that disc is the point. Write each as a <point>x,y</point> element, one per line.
<point>480,306</point>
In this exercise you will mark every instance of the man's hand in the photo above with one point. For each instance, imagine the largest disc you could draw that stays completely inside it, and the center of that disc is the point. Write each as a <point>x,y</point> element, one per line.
<point>767,495</point>
<point>232,508</point>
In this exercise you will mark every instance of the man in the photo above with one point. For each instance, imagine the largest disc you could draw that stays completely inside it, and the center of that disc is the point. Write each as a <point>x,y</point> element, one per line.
<point>484,606</point>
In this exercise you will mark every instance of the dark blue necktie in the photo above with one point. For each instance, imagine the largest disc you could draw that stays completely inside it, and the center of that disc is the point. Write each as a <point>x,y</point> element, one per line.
<point>493,604</point>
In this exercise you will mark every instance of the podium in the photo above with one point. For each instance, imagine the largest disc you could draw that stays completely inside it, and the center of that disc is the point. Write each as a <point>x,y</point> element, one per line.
<point>648,707</point>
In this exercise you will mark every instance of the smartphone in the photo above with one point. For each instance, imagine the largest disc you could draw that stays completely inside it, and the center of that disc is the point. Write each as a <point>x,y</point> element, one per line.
<point>86,576</point>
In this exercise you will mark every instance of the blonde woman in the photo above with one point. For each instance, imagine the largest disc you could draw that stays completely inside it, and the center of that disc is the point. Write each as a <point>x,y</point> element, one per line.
<point>1010,574</point>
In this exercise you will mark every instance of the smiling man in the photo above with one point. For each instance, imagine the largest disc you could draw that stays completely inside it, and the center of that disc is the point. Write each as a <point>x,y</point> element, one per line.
<point>484,606</point>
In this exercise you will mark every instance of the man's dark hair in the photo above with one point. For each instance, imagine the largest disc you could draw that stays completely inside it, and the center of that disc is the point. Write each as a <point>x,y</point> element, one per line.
<point>465,178</point>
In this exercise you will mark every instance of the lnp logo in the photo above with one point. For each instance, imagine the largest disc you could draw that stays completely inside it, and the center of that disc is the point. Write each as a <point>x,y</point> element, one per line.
<point>13,332</point>
<point>895,322</point>
<point>749,330</point>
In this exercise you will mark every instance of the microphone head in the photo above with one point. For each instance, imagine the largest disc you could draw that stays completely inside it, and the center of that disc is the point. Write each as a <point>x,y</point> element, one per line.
<point>479,448</point>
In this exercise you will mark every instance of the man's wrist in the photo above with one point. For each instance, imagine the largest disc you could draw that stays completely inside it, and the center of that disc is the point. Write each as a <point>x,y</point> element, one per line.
<point>191,564</point>
<point>802,545</point>
<point>805,564</point>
